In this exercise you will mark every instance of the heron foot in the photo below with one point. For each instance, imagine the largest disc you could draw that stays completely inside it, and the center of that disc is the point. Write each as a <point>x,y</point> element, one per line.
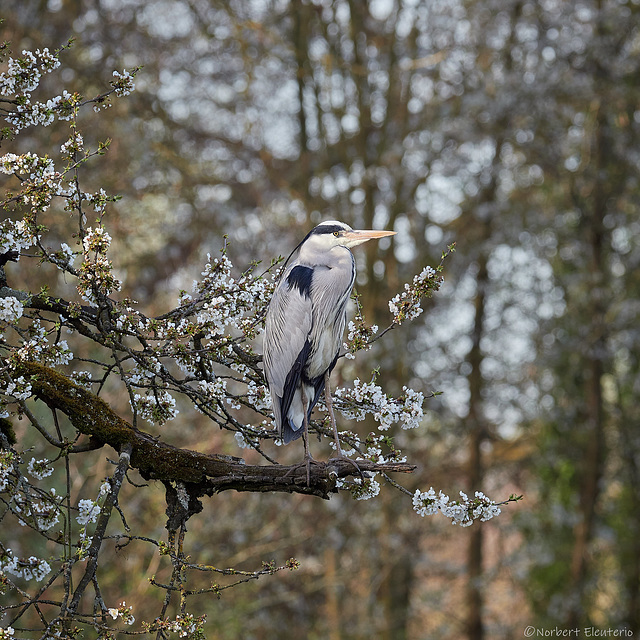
<point>341,456</point>
<point>307,462</point>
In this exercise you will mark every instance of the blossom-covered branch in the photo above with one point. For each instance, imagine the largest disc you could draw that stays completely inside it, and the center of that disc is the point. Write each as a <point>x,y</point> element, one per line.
<point>64,352</point>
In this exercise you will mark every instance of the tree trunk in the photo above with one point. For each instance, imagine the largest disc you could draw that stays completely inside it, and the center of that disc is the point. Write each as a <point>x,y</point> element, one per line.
<point>478,432</point>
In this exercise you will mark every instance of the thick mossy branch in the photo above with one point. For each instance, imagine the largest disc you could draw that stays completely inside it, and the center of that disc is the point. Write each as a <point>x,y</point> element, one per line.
<point>203,474</point>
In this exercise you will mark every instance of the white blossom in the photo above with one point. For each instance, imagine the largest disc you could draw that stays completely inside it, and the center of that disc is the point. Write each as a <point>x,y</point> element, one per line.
<point>97,240</point>
<point>24,74</point>
<point>59,354</point>
<point>359,336</point>
<point>215,390</point>
<point>158,407</point>
<point>68,253</point>
<point>406,305</point>
<point>462,512</point>
<point>10,310</point>
<point>73,144</point>
<point>258,395</point>
<point>214,314</point>
<point>15,235</point>
<point>19,389</point>
<point>185,626</point>
<point>6,466</point>
<point>89,512</point>
<point>45,514</point>
<point>97,276</point>
<point>227,301</point>
<point>82,378</point>
<point>27,568</point>
<point>124,612</point>
<point>39,469</point>
<point>366,489</point>
<point>123,83</point>
<point>369,398</point>
<point>38,349</point>
<point>240,441</point>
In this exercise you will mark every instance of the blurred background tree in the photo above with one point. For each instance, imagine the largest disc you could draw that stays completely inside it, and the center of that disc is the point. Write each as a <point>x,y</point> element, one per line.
<point>510,128</point>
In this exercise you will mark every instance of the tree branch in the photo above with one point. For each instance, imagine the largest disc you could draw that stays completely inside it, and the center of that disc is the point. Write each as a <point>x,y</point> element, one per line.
<point>101,528</point>
<point>200,474</point>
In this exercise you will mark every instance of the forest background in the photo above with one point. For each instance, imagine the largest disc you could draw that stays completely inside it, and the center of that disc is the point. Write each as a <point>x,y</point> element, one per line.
<point>511,128</point>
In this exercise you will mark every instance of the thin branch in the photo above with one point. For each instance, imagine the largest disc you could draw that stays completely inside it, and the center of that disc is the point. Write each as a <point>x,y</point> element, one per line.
<point>101,527</point>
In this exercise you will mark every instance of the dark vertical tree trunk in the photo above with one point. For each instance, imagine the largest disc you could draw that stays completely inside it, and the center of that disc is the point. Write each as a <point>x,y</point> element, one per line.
<point>477,433</point>
<point>596,350</point>
<point>399,585</point>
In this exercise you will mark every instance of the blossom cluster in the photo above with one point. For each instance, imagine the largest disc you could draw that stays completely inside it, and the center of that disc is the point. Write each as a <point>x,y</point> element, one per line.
<point>43,113</point>
<point>39,469</point>
<point>38,509</point>
<point>215,390</point>
<point>22,77</point>
<point>23,74</point>
<point>43,182</point>
<point>365,488</point>
<point>96,240</point>
<point>406,305</point>
<point>157,406</point>
<point>37,348</point>
<point>360,335</point>
<point>10,311</point>
<point>88,512</point>
<point>185,625</point>
<point>368,398</point>
<point>43,514</point>
<point>241,441</point>
<point>228,301</point>
<point>95,276</point>
<point>123,611</point>
<point>18,389</point>
<point>73,145</point>
<point>31,568</point>
<point>37,190</point>
<point>30,164</point>
<point>123,82</point>
<point>462,512</point>
<point>7,460</point>
<point>15,235</point>
<point>258,395</point>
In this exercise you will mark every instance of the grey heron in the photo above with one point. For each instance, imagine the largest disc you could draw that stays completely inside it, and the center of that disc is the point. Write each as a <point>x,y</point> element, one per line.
<point>305,324</point>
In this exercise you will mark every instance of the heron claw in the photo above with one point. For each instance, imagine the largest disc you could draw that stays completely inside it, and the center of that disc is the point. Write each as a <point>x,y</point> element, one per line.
<point>341,456</point>
<point>307,462</point>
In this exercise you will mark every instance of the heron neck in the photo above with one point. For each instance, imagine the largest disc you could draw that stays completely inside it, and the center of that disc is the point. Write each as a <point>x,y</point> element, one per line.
<point>335,257</point>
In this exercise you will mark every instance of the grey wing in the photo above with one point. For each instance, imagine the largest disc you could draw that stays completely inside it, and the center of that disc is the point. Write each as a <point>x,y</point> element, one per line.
<point>287,329</point>
<point>330,291</point>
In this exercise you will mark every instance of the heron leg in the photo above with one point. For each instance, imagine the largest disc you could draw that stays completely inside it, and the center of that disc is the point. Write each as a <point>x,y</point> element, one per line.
<point>305,436</point>
<point>332,417</point>
<point>308,459</point>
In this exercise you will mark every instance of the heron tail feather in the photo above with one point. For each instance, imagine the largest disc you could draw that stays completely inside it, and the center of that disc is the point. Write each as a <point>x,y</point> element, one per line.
<point>290,432</point>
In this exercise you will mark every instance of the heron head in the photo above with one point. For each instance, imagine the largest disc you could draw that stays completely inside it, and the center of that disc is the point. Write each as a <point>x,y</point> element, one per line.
<point>333,233</point>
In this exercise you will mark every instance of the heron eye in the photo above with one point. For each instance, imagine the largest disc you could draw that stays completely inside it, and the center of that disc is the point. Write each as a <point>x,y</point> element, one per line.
<point>336,234</point>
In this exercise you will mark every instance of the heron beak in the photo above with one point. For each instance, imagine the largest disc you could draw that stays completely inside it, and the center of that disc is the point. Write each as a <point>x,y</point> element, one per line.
<point>357,236</point>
